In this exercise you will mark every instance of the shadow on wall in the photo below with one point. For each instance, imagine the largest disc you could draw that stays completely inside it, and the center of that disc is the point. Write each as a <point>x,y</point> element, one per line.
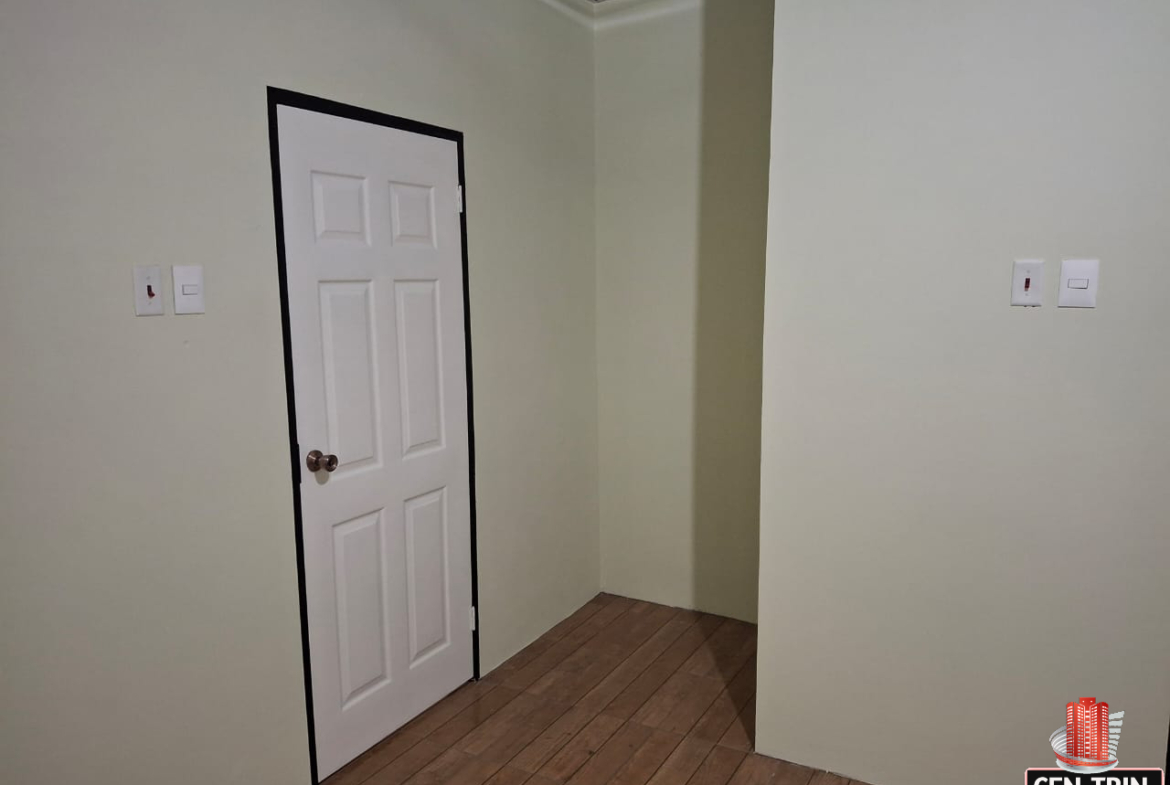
<point>732,236</point>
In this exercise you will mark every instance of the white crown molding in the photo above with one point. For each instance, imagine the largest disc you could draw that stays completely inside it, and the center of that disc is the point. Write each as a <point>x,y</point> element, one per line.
<point>612,13</point>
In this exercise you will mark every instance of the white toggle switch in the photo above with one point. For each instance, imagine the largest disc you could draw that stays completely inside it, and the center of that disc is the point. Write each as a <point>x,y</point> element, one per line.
<point>1028,282</point>
<point>188,280</point>
<point>1078,283</point>
<point>148,298</point>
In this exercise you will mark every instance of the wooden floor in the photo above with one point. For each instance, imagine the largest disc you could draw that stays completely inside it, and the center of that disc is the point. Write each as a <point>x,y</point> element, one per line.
<point>621,692</point>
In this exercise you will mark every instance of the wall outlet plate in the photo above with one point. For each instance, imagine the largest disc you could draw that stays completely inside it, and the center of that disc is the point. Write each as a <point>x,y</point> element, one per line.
<point>1028,282</point>
<point>148,294</point>
<point>188,283</point>
<point>1078,283</point>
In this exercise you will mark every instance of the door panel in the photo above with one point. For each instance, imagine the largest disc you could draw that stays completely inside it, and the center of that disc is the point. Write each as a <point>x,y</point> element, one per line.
<point>349,354</point>
<point>360,586</point>
<point>373,256</point>
<point>413,213</point>
<point>426,574</point>
<point>420,365</point>
<point>339,207</point>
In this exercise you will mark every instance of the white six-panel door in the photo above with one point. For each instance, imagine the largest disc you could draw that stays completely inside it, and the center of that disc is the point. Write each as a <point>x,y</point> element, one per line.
<point>375,287</point>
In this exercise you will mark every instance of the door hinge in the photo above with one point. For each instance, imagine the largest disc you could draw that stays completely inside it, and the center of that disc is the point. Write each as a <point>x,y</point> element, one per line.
<point>459,198</point>
<point>471,617</point>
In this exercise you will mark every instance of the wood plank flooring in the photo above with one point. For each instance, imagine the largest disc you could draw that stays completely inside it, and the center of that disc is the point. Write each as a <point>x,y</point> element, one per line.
<point>622,692</point>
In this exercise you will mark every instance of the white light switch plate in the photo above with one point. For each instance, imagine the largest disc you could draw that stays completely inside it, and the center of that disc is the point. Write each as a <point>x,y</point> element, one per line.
<point>1078,283</point>
<point>188,283</point>
<point>148,296</point>
<point>1028,282</point>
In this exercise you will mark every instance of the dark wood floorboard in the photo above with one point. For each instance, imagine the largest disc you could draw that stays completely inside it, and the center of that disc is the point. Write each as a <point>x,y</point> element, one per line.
<point>622,692</point>
<point>825,778</point>
<point>718,767</point>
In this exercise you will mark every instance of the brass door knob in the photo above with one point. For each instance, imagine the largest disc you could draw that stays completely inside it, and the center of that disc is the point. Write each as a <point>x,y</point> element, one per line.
<point>317,460</point>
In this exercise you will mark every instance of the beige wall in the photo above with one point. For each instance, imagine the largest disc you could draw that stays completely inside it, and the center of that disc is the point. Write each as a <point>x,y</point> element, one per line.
<point>964,507</point>
<point>147,579</point>
<point>682,144</point>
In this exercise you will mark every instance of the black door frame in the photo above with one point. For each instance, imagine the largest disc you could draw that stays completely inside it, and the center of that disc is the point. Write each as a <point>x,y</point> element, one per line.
<point>278,97</point>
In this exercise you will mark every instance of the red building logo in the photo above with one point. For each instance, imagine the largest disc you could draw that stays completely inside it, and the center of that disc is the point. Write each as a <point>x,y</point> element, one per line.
<point>1088,742</point>
<point>1086,729</point>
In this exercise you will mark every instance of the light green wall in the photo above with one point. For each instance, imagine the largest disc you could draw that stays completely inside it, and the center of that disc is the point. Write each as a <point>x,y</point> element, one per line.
<point>964,508</point>
<point>147,575</point>
<point>682,148</point>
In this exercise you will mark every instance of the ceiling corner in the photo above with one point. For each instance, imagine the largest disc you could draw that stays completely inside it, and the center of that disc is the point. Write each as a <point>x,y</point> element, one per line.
<point>603,14</point>
<point>580,11</point>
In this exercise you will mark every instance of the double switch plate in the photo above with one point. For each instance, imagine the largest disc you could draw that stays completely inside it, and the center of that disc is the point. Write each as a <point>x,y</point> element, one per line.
<point>1078,283</point>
